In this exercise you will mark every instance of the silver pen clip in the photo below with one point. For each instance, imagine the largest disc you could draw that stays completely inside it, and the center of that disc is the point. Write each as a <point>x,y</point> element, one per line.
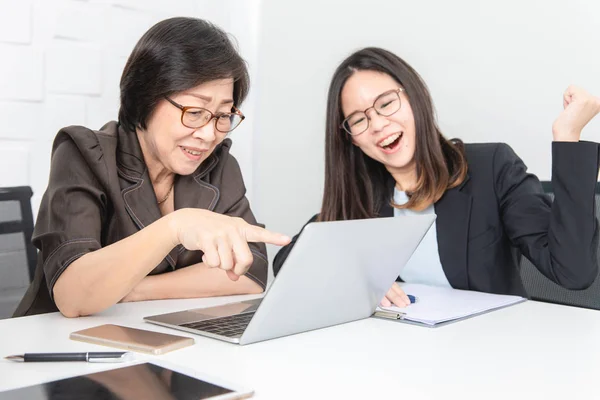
<point>123,358</point>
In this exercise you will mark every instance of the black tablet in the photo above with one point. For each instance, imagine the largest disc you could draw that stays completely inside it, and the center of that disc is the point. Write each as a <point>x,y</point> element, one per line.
<point>142,381</point>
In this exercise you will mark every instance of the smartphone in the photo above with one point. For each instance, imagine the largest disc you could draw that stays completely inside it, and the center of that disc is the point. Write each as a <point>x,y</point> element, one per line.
<point>132,339</point>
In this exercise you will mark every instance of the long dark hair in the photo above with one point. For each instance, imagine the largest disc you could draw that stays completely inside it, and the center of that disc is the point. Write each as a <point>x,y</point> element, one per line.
<point>175,55</point>
<point>356,186</point>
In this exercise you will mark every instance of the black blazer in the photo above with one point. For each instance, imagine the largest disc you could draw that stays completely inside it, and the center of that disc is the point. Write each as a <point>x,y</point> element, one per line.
<point>500,212</point>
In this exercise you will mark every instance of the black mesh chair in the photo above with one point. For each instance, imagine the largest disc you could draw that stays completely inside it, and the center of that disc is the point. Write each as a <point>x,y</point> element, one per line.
<point>541,288</point>
<point>16,218</point>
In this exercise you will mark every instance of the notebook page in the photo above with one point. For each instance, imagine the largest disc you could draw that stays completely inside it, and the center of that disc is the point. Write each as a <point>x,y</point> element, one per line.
<point>439,304</point>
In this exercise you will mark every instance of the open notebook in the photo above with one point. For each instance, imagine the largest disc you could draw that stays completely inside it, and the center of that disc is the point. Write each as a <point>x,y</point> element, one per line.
<point>438,306</point>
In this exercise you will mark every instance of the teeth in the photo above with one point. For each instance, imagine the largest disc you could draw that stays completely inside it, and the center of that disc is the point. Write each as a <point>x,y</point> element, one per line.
<point>389,140</point>
<point>192,152</point>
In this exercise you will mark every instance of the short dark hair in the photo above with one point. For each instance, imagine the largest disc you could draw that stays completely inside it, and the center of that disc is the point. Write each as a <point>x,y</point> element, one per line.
<point>355,184</point>
<point>175,55</point>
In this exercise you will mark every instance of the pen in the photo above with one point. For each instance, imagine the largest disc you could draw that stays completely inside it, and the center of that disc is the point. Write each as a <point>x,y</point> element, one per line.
<point>93,357</point>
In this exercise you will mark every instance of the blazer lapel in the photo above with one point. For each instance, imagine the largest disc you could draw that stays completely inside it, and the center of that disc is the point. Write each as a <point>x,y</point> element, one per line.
<point>386,210</point>
<point>194,191</point>
<point>140,199</point>
<point>453,212</point>
<point>136,188</point>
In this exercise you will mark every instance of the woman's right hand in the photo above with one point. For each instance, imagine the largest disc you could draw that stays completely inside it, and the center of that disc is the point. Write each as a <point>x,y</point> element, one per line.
<point>395,297</point>
<point>223,239</point>
<point>579,109</point>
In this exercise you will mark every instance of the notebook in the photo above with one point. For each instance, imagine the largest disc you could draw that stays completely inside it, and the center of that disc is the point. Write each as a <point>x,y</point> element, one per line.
<point>436,306</point>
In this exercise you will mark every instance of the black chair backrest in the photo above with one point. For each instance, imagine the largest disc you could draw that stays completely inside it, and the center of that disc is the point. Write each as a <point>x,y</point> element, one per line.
<point>543,289</point>
<point>22,223</point>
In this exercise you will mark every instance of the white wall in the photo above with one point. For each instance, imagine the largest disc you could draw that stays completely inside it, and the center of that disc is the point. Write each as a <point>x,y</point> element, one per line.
<point>62,62</point>
<point>496,71</point>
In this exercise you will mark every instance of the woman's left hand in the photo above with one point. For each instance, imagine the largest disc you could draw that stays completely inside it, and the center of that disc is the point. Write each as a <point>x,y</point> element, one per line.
<point>579,109</point>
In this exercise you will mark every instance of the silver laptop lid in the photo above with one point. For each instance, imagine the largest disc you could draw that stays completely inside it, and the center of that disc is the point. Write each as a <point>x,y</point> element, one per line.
<point>337,272</point>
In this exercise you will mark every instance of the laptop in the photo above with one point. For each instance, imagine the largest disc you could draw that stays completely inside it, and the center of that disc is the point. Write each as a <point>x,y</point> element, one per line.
<point>336,273</point>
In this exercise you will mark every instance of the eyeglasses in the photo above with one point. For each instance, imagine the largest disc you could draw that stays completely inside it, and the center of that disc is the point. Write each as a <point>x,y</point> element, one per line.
<point>197,117</point>
<point>385,105</point>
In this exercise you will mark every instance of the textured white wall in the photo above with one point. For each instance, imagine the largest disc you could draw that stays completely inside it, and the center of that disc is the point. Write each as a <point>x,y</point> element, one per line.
<point>61,65</point>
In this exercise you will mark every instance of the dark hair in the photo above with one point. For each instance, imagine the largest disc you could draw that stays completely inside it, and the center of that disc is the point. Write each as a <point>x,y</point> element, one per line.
<point>175,55</point>
<point>355,184</point>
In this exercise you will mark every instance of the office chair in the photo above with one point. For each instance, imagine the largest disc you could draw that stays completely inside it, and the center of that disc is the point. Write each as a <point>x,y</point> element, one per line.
<point>543,289</point>
<point>19,222</point>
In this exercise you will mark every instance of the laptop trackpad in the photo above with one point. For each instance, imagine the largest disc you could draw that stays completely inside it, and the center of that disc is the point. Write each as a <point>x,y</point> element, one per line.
<point>203,314</point>
<point>227,309</point>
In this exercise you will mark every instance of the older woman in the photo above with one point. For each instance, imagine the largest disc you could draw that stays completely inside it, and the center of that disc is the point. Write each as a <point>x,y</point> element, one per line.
<point>153,206</point>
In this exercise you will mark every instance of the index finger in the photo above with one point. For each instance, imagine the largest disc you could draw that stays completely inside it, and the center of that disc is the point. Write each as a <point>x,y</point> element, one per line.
<point>257,234</point>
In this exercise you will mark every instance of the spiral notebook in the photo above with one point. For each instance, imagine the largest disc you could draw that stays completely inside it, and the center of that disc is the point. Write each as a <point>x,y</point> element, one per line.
<point>437,306</point>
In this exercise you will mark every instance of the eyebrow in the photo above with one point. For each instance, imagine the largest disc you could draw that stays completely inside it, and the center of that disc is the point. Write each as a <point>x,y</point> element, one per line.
<point>208,99</point>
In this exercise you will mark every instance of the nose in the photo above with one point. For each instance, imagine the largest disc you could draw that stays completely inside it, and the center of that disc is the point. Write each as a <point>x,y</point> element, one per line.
<point>377,122</point>
<point>206,133</point>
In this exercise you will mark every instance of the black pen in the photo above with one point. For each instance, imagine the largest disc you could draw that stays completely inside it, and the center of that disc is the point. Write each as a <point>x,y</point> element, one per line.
<point>93,357</point>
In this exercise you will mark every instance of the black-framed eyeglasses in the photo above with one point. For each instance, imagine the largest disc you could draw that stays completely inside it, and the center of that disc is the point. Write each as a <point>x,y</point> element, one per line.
<point>385,105</point>
<point>197,117</point>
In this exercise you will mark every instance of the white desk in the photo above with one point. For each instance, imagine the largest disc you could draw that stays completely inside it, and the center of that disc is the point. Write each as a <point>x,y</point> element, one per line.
<point>530,351</point>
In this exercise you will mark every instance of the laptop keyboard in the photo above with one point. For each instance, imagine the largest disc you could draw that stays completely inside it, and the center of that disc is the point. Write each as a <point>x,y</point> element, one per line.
<point>231,326</point>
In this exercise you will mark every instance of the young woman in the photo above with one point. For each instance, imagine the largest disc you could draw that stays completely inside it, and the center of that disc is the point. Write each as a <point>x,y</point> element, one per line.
<point>386,156</point>
<point>149,206</point>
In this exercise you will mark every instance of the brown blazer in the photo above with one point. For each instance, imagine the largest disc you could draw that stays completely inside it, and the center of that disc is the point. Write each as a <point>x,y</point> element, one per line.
<point>99,192</point>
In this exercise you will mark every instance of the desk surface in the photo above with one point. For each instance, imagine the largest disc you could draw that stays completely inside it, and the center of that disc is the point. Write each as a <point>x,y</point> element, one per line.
<point>531,350</point>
